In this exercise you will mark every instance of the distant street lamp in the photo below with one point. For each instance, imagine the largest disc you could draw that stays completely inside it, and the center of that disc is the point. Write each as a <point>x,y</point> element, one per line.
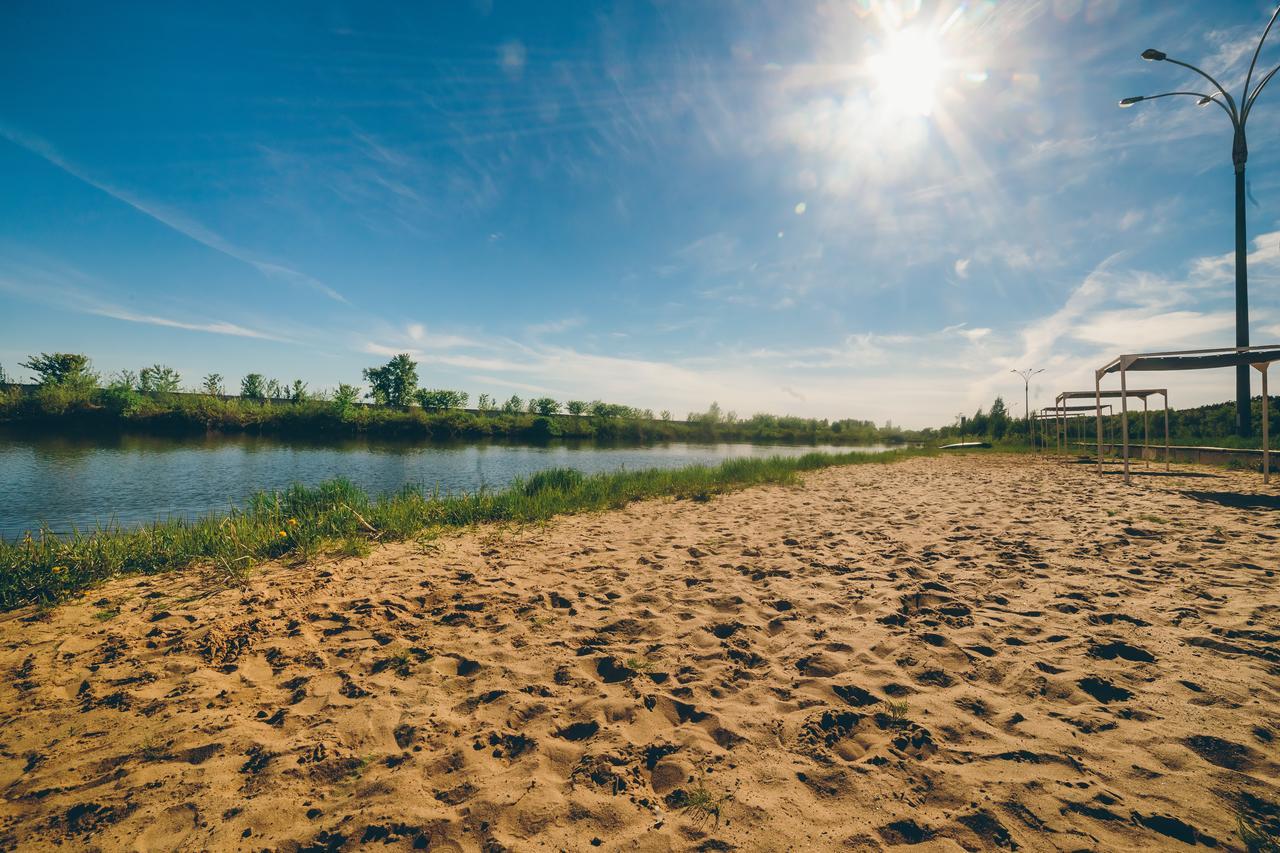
<point>1239,115</point>
<point>1026,392</point>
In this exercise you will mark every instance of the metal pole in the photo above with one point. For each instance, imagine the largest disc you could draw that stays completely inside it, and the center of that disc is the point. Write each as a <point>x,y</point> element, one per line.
<point>1266,418</point>
<point>1146,445</point>
<point>1097,390</point>
<point>1166,429</point>
<point>1244,419</point>
<point>1124,419</point>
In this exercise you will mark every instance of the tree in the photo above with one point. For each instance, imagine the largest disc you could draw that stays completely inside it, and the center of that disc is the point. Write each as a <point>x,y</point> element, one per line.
<point>999,418</point>
<point>158,378</point>
<point>512,406</point>
<point>544,406</point>
<point>298,392</point>
<point>666,415</point>
<point>253,387</point>
<point>393,384</point>
<point>576,407</point>
<point>274,389</point>
<point>345,397</point>
<point>213,385</point>
<point>485,403</point>
<point>60,368</point>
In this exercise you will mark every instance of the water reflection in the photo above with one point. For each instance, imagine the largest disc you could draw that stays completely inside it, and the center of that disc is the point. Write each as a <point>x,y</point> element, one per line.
<point>70,481</point>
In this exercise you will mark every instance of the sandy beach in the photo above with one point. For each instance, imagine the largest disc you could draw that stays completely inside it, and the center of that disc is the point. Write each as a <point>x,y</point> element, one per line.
<point>952,653</point>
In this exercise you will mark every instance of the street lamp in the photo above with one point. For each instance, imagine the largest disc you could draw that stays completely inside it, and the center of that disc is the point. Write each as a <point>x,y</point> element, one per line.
<point>1026,392</point>
<point>1239,115</point>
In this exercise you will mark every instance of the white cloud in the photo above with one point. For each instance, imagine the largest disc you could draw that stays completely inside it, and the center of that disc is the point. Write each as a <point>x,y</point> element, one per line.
<point>962,267</point>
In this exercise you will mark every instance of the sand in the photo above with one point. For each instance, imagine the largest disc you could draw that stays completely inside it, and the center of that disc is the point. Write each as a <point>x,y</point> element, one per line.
<point>1083,666</point>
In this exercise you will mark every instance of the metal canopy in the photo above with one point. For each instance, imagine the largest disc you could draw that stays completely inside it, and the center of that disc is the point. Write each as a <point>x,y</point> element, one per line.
<point>1203,359</point>
<point>1259,358</point>
<point>1111,395</point>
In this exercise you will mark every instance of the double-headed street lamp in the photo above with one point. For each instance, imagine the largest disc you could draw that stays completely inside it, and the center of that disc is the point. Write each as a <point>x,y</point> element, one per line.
<point>1239,115</point>
<point>1026,392</point>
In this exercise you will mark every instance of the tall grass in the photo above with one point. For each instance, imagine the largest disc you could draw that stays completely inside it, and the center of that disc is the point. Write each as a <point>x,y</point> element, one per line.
<point>336,517</point>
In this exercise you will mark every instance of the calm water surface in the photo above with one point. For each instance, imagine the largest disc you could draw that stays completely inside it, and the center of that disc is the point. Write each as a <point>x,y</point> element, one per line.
<point>67,481</point>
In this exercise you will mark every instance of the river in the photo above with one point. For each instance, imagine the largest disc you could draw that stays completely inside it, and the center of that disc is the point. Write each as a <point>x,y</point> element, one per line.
<point>66,482</point>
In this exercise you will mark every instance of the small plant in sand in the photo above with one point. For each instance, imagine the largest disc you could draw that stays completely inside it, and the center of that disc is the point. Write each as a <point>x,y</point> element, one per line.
<point>151,749</point>
<point>896,712</point>
<point>106,615</point>
<point>701,802</point>
<point>401,664</point>
<point>354,546</point>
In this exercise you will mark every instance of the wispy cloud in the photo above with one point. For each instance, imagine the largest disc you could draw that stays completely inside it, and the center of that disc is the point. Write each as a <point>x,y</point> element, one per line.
<point>213,328</point>
<point>168,217</point>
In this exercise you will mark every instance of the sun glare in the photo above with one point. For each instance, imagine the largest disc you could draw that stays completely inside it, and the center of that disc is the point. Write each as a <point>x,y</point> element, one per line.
<point>907,71</point>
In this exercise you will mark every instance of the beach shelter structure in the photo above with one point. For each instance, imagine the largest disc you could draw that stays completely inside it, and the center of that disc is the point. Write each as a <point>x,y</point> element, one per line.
<point>1063,414</point>
<point>1098,395</point>
<point>1259,358</point>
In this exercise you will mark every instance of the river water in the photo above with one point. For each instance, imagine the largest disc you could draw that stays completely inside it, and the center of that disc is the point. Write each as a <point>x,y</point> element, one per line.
<point>67,481</point>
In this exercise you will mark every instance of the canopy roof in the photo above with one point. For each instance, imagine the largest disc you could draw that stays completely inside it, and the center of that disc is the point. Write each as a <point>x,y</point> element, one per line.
<point>1199,359</point>
<point>1090,395</point>
<point>1060,409</point>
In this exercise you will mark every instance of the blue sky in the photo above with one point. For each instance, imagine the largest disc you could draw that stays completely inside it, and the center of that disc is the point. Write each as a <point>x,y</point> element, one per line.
<point>654,203</point>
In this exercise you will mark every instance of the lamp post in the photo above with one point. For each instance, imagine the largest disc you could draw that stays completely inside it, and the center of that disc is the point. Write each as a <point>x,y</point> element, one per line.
<point>1239,115</point>
<point>1026,393</point>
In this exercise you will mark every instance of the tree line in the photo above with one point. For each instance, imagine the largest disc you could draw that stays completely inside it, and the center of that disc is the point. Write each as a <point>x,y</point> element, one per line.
<point>68,385</point>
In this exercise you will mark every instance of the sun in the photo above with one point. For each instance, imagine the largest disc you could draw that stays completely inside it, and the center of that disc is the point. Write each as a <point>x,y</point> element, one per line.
<point>907,71</point>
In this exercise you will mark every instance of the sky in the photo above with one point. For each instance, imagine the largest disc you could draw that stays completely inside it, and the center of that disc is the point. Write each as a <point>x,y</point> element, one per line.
<point>844,208</point>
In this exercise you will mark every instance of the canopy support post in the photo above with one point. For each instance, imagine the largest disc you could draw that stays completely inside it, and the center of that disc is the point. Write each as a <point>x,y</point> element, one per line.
<point>1146,445</point>
<point>1124,420</point>
<point>1166,429</point>
<point>1266,423</point>
<point>1097,389</point>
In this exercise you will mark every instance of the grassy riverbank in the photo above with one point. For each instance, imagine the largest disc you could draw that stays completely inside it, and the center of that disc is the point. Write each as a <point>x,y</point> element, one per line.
<point>338,518</point>
<point>93,409</point>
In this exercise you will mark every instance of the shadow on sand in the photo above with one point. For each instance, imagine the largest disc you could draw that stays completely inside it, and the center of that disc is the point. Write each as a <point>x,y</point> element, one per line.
<point>1237,500</point>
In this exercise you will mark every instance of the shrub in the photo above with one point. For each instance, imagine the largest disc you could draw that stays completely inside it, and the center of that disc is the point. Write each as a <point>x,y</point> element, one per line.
<point>158,378</point>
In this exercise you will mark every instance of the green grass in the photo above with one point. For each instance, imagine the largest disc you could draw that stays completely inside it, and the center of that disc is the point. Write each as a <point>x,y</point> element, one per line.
<point>303,524</point>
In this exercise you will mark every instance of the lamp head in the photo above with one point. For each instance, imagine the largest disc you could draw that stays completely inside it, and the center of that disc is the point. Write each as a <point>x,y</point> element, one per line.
<point>1125,103</point>
<point>1203,101</point>
<point>1153,55</point>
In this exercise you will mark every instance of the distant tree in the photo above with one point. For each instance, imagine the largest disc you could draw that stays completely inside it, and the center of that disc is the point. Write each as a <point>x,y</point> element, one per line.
<point>158,378</point>
<point>393,384</point>
<point>576,407</point>
<point>345,397</point>
<point>544,406</point>
<point>513,405</point>
<point>665,414</point>
<point>274,389</point>
<point>998,420</point>
<point>61,368</point>
<point>485,403</point>
<point>213,385</point>
<point>4,377</point>
<point>298,391</point>
<point>647,414</point>
<point>436,400</point>
<point>253,387</point>
<point>124,380</point>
